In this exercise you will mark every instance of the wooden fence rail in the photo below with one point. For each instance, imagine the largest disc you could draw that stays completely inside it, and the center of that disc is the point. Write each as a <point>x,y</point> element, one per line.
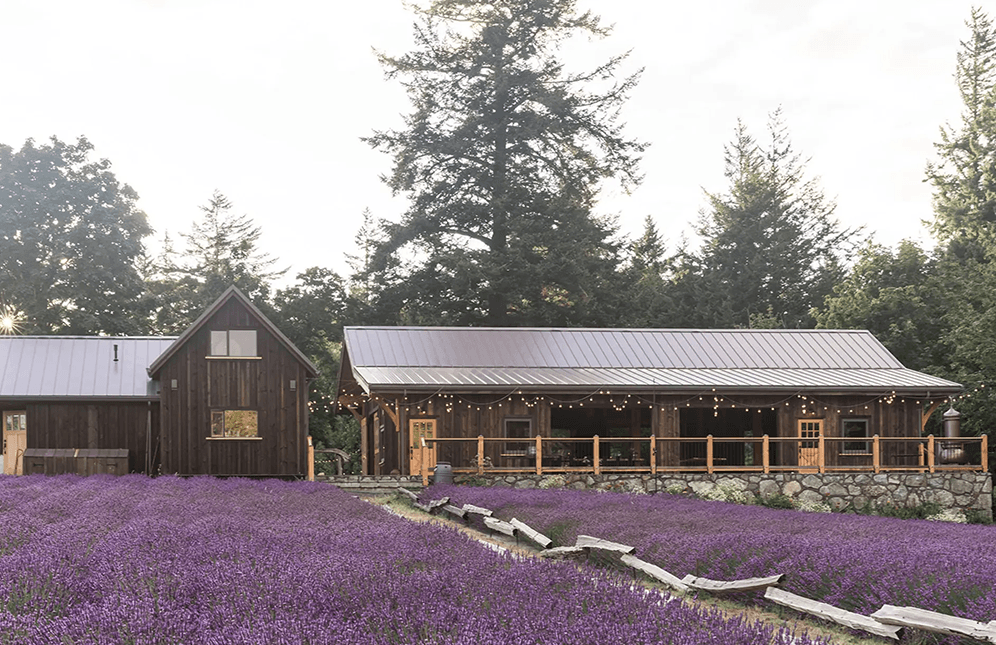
<point>598,455</point>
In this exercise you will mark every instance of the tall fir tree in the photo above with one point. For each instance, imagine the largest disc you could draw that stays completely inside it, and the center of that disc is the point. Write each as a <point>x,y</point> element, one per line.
<point>772,248</point>
<point>220,250</point>
<point>964,177</point>
<point>502,158</point>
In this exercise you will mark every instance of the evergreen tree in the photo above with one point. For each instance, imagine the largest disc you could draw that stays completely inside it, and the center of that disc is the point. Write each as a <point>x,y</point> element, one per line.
<point>964,178</point>
<point>220,250</point>
<point>648,303</point>
<point>772,247</point>
<point>502,157</point>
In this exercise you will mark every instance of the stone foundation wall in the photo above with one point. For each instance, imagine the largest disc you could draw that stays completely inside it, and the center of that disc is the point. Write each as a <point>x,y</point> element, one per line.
<point>950,490</point>
<point>372,484</point>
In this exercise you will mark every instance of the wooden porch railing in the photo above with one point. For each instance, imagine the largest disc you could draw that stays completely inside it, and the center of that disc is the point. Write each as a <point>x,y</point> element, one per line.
<point>708,454</point>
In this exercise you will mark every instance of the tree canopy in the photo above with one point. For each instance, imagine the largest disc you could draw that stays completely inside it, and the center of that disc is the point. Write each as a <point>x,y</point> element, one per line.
<point>502,158</point>
<point>70,235</point>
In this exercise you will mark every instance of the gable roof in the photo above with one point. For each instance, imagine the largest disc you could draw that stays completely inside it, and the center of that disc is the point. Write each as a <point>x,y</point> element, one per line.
<point>673,359</point>
<point>75,367</point>
<point>231,292</point>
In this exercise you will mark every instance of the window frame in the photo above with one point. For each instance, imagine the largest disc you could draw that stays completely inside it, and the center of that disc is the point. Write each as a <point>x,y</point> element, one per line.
<point>215,341</point>
<point>224,419</point>
<point>855,444</point>
<point>520,444</point>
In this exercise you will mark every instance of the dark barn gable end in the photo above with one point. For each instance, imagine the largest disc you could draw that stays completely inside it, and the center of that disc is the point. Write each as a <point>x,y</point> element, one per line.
<point>183,405</point>
<point>660,400</point>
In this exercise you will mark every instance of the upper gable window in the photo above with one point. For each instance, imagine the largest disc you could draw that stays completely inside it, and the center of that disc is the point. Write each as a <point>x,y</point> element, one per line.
<point>234,342</point>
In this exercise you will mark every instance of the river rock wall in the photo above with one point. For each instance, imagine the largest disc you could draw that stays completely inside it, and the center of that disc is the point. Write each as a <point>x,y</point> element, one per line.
<point>840,491</point>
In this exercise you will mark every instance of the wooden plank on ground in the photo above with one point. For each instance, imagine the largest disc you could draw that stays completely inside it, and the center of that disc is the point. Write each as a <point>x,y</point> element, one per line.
<point>421,507</point>
<point>655,572</point>
<point>477,510</point>
<point>531,533</point>
<point>437,503</point>
<point>589,542</point>
<point>732,586</point>
<point>453,510</point>
<point>558,552</point>
<point>829,612</point>
<point>933,621</point>
<point>502,527</point>
<point>414,496</point>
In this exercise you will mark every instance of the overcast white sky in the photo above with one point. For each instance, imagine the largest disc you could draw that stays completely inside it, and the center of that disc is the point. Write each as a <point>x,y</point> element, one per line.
<point>267,101</point>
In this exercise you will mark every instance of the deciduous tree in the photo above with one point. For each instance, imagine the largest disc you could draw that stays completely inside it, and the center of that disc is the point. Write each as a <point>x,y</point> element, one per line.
<point>70,237</point>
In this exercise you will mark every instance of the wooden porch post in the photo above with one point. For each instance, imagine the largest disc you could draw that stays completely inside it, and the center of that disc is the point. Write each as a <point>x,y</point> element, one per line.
<point>876,455</point>
<point>480,454</point>
<point>653,454</point>
<point>821,462</point>
<point>364,447</point>
<point>539,455</point>
<point>425,462</point>
<point>311,461</point>
<point>765,454</point>
<point>930,453</point>
<point>596,459</point>
<point>985,453</point>
<point>709,453</point>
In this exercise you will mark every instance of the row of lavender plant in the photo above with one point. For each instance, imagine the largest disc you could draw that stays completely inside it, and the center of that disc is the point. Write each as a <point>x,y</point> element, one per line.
<point>854,562</point>
<point>136,560</point>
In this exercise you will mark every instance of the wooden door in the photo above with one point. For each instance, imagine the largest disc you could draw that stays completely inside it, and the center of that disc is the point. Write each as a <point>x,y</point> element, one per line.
<point>15,441</point>
<point>417,430</point>
<point>809,444</point>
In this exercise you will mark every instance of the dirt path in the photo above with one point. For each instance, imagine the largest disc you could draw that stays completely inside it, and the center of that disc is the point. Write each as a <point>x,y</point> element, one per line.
<point>401,507</point>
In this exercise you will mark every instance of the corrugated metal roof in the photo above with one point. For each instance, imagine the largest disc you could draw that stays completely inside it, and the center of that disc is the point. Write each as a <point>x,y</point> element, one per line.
<point>77,367</point>
<point>845,360</point>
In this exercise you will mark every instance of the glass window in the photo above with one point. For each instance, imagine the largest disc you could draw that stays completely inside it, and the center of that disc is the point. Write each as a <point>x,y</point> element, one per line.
<point>234,342</point>
<point>242,342</point>
<point>521,428</point>
<point>219,343</point>
<point>234,423</point>
<point>855,429</point>
<point>14,421</point>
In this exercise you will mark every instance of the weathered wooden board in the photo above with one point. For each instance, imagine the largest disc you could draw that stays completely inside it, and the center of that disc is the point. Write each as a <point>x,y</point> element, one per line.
<point>437,503</point>
<point>589,542</point>
<point>563,552</point>
<point>655,572</point>
<point>453,510</point>
<point>531,533</point>
<point>732,586</point>
<point>477,510</point>
<point>421,507</point>
<point>502,527</point>
<point>829,612</point>
<point>933,621</point>
<point>407,492</point>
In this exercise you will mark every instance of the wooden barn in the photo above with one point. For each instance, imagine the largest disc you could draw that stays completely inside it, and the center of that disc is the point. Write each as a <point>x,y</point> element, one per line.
<point>228,397</point>
<point>638,400</point>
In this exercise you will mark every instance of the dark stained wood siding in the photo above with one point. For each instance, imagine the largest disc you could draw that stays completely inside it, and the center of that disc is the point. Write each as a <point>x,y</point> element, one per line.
<point>262,384</point>
<point>100,425</point>
<point>779,417</point>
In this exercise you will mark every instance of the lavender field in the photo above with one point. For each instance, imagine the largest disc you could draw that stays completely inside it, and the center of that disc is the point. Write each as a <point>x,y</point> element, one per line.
<point>137,560</point>
<point>854,562</point>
